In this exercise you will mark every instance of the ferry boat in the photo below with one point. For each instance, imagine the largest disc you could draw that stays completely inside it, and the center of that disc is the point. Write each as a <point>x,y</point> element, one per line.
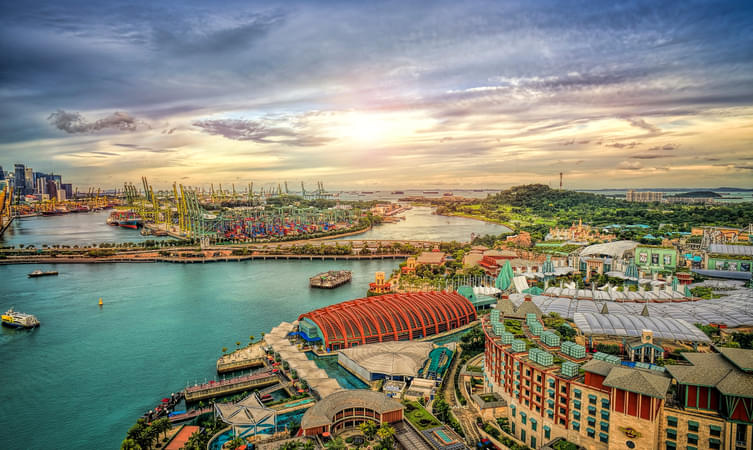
<point>15,319</point>
<point>39,273</point>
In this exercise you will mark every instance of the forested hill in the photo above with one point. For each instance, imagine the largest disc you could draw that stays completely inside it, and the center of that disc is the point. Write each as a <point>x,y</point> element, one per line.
<point>542,197</point>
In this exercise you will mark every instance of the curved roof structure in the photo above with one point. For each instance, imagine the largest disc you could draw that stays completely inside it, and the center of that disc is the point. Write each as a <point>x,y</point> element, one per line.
<point>614,249</point>
<point>324,411</point>
<point>392,317</point>
<point>632,325</point>
<point>391,358</point>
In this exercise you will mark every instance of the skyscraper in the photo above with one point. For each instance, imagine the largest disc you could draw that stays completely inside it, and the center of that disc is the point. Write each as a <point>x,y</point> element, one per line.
<point>20,179</point>
<point>29,181</point>
<point>2,174</point>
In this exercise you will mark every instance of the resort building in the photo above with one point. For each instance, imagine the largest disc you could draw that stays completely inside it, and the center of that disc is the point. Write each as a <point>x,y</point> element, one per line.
<point>433,258</point>
<point>348,409</point>
<point>733,258</point>
<point>395,360</point>
<point>385,318</point>
<point>654,259</point>
<point>553,390</point>
<point>578,233</point>
<point>637,196</point>
<point>602,258</point>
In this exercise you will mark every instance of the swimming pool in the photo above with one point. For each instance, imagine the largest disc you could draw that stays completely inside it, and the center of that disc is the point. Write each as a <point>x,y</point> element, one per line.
<point>334,370</point>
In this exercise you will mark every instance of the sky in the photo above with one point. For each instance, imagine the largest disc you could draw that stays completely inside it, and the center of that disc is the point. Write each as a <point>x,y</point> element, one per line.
<point>401,94</point>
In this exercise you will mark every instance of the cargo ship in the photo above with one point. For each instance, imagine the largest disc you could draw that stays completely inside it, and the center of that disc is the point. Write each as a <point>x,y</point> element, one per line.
<point>15,319</point>
<point>125,219</point>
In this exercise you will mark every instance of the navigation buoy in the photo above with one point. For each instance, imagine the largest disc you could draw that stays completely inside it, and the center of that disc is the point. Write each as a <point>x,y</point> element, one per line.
<point>100,302</point>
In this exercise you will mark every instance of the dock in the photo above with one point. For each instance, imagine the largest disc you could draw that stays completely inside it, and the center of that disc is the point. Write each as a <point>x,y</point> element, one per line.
<point>231,386</point>
<point>331,279</point>
<point>246,358</point>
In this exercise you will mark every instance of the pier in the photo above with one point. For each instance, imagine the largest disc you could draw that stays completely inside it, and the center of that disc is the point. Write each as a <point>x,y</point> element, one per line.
<point>246,358</point>
<point>230,386</point>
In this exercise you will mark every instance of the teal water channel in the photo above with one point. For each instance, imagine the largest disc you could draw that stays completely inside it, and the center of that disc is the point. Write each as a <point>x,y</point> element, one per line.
<point>84,377</point>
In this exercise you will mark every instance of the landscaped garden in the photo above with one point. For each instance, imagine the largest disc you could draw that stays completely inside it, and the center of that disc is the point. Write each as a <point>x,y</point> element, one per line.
<point>419,417</point>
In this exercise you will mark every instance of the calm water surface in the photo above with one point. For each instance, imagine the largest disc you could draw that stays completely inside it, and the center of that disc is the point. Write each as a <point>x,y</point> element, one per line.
<point>84,377</point>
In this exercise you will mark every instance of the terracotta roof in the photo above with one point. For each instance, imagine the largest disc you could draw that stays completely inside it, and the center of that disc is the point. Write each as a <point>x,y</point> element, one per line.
<point>716,370</point>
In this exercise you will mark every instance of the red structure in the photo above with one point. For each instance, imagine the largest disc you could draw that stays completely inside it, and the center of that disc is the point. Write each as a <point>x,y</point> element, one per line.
<point>392,317</point>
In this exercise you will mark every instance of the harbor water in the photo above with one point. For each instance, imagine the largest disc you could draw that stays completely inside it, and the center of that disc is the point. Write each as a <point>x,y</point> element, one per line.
<point>85,376</point>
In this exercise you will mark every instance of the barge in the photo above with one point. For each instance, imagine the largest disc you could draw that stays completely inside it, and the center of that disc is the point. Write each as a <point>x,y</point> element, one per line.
<point>331,279</point>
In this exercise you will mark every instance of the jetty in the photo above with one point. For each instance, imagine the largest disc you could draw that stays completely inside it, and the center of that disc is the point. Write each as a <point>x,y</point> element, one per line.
<point>246,358</point>
<point>230,386</point>
<point>331,279</point>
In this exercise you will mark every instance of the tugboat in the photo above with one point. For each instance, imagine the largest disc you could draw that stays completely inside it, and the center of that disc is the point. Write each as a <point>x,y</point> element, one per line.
<point>39,273</point>
<point>15,319</point>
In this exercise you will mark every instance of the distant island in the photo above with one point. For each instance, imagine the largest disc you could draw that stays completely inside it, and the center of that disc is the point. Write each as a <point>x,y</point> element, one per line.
<point>697,194</point>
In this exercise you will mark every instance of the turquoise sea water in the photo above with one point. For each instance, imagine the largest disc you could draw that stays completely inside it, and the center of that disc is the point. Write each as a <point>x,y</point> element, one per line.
<point>84,377</point>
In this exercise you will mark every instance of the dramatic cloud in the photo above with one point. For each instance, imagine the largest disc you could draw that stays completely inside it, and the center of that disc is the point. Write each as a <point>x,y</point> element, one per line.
<point>260,131</point>
<point>478,93</point>
<point>73,122</point>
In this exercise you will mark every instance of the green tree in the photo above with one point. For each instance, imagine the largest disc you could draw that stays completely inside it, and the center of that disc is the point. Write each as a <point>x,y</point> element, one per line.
<point>386,433</point>
<point>162,426</point>
<point>336,444</point>
<point>235,443</point>
<point>129,444</point>
<point>369,429</point>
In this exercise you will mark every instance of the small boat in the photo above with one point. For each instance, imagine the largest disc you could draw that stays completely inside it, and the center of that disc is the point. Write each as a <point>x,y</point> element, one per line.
<point>397,192</point>
<point>15,319</point>
<point>448,194</point>
<point>39,273</point>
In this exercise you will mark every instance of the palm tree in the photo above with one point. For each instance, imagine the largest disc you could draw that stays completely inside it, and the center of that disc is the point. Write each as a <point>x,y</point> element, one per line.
<point>307,445</point>
<point>385,433</point>
<point>251,338</point>
<point>129,444</point>
<point>238,344</point>
<point>368,429</point>
<point>336,444</point>
<point>224,349</point>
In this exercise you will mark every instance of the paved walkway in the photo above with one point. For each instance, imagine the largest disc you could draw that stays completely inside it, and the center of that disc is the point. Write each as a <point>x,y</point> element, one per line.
<point>180,440</point>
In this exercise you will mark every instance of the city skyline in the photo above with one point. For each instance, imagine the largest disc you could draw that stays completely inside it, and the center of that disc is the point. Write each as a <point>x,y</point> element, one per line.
<point>635,95</point>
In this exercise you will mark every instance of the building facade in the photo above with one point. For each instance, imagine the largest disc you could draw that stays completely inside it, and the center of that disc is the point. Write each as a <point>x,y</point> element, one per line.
<point>604,404</point>
<point>652,259</point>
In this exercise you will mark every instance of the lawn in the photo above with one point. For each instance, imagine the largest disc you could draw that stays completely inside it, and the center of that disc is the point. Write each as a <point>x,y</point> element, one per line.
<point>419,417</point>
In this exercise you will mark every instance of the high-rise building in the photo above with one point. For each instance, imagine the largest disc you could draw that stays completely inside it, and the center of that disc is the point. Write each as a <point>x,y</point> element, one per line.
<point>29,180</point>
<point>68,188</point>
<point>2,174</point>
<point>19,179</point>
<point>52,190</point>
<point>635,196</point>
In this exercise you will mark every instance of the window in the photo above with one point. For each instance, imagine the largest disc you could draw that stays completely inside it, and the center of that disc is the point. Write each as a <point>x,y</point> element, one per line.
<point>533,441</point>
<point>591,432</point>
<point>547,432</point>
<point>562,421</point>
<point>592,410</point>
<point>512,428</point>
<point>603,437</point>
<point>576,403</point>
<point>671,434</point>
<point>576,415</point>
<point>692,438</point>
<point>533,424</point>
<point>538,388</point>
<point>591,399</point>
<point>528,382</point>
<point>528,373</point>
<point>715,430</point>
<point>605,414</point>
<point>715,443</point>
<point>577,393</point>
<point>671,445</point>
<point>538,378</point>
<point>523,418</point>
<point>550,392</point>
<point>592,421</point>
<point>563,389</point>
<point>550,413</point>
<point>512,410</point>
<point>551,382</point>
<point>604,426</point>
<point>576,426</point>
<point>690,447</point>
<point>605,403</point>
<point>563,410</point>
<point>538,398</point>
<point>692,426</point>
<point>523,435</point>
<point>671,421</point>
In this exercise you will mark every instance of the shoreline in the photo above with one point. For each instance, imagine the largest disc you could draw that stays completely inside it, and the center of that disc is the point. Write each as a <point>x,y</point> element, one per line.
<point>480,219</point>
